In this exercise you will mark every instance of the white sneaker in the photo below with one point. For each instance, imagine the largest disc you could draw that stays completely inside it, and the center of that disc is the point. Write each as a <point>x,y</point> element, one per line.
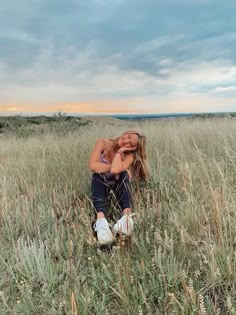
<point>124,225</point>
<point>104,234</point>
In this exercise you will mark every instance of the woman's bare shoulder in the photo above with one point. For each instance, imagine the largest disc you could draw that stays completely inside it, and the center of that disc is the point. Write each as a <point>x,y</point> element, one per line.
<point>104,144</point>
<point>100,144</point>
<point>108,143</point>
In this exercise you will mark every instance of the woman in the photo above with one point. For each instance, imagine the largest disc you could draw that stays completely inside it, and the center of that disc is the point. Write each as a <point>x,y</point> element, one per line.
<point>113,163</point>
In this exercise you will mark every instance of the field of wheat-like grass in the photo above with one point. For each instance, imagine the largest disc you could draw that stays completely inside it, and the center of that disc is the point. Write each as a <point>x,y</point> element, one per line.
<point>182,259</point>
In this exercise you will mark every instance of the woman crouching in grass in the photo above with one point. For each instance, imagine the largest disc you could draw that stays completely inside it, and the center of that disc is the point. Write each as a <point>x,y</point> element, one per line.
<point>113,163</point>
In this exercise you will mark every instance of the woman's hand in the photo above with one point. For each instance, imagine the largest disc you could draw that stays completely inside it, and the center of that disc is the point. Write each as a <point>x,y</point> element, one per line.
<point>124,149</point>
<point>121,162</point>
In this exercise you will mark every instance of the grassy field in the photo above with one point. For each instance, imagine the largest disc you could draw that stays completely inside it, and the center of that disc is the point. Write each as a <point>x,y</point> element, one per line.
<point>182,259</point>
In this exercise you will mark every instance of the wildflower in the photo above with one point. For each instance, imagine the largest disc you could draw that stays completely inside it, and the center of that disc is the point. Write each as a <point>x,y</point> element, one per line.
<point>184,274</point>
<point>157,237</point>
<point>200,264</point>
<point>153,264</point>
<point>132,279</point>
<point>71,249</point>
<point>202,305</point>
<point>229,304</point>
<point>197,274</point>
<point>62,305</point>
<point>140,312</point>
<point>218,272</point>
<point>57,247</point>
<point>147,238</point>
<point>166,236</point>
<point>182,236</point>
<point>229,266</point>
<point>190,285</point>
<point>205,260</point>
<point>68,266</point>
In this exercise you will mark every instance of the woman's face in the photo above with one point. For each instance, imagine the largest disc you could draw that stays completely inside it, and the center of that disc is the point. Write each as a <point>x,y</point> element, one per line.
<point>128,140</point>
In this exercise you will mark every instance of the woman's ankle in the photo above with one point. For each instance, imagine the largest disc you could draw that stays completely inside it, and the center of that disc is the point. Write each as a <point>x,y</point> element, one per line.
<point>100,215</point>
<point>126,211</point>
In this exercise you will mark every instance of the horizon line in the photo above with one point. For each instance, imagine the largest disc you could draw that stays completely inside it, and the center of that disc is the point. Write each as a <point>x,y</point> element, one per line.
<point>12,114</point>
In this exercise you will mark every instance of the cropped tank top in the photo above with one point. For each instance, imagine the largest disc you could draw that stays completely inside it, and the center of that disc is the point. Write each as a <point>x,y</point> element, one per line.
<point>103,159</point>
<point>109,176</point>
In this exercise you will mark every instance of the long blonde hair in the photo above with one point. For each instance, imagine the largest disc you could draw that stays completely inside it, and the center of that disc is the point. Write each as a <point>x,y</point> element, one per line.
<point>139,167</point>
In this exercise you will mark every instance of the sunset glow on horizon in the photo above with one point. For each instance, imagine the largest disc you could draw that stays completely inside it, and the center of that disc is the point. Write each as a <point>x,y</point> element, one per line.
<point>187,105</point>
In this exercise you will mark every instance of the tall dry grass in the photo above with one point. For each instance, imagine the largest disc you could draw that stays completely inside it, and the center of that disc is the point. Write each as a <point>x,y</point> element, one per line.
<point>182,259</point>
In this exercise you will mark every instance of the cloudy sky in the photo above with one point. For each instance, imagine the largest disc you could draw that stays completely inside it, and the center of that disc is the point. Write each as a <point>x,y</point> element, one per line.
<point>117,56</point>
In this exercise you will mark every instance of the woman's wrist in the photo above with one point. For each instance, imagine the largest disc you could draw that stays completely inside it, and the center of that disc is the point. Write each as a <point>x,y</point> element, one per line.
<point>121,153</point>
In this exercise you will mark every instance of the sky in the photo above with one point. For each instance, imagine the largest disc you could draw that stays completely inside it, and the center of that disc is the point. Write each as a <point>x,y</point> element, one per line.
<point>117,56</point>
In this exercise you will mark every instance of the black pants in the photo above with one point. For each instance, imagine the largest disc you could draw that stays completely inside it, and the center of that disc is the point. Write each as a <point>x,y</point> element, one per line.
<point>101,187</point>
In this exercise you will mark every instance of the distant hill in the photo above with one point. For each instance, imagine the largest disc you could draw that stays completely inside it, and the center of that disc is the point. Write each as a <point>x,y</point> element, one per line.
<point>61,123</point>
<point>175,115</point>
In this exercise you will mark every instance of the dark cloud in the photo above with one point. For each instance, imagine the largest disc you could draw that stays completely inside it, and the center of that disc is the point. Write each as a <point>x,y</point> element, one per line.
<point>65,40</point>
<point>120,26</point>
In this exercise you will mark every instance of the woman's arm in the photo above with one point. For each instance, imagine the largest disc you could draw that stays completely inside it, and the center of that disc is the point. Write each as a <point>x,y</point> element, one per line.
<point>119,165</point>
<point>94,162</point>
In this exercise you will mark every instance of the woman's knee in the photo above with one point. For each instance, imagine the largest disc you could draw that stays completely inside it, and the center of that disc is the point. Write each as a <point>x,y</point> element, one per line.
<point>124,175</point>
<point>97,176</point>
<point>97,180</point>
